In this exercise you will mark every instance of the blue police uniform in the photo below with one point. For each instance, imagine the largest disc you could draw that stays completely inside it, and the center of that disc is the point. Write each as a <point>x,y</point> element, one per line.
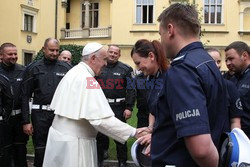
<point>154,92</point>
<point>242,82</point>
<point>146,88</point>
<point>190,103</point>
<point>234,102</point>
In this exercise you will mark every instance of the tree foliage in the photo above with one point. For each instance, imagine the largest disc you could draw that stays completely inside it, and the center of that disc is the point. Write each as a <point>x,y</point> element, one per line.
<point>75,50</point>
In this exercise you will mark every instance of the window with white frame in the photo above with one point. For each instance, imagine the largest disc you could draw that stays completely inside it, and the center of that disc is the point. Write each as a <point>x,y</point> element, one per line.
<point>93,15</point>
<point>213,11</point>
<point>144,11</point>
<point>28,22</point>
<point>29,19</point>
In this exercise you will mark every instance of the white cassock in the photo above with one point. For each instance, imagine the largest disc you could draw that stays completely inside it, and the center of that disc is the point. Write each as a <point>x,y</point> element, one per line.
<point>80,113</point>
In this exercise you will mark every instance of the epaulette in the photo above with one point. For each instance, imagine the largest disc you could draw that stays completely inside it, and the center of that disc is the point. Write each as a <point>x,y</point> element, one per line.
<point>178,59</point>
<point>65,64</point>
<point>124,66</point>
<point>33,63</point>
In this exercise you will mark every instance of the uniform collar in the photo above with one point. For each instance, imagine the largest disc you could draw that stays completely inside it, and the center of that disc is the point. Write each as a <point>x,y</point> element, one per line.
<point>8,68</point>
<point>157,75</point>
<point>244,72</point>
<point>191,46</point>
<point>49,62</point>
<point>111,65</point>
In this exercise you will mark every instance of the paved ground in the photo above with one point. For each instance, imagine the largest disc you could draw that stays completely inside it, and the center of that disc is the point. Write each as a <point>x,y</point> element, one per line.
<point>107,163</point>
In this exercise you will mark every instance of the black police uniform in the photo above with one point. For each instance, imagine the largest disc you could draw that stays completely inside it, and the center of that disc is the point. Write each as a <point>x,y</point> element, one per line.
<point>6,105</point>
<point>190,103</point>
<point>41,79</point>
<point>141,102</point>
<point>113,81</point>
<point>242,81</point>
<point>15,75</point>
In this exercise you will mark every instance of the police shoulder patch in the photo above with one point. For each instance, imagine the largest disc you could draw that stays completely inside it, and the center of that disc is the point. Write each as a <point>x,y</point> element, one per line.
<point>238,104</point>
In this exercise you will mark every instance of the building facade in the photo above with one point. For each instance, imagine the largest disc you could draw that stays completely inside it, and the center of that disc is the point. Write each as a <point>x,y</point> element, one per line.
<point>122,22</point>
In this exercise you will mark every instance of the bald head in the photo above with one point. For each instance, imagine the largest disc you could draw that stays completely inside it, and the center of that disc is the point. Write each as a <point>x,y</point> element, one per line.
<point>51,49</point>
<point>65,56</point>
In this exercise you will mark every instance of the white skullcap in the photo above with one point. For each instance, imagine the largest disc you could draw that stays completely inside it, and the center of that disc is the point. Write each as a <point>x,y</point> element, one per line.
<point>91,47</point>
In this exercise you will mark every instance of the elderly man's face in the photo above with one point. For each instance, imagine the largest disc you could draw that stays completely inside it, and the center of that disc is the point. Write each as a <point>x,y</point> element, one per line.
<point>100,61</point>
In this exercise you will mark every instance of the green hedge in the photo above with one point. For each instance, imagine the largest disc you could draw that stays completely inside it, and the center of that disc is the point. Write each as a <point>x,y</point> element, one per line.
<point>75,50</point>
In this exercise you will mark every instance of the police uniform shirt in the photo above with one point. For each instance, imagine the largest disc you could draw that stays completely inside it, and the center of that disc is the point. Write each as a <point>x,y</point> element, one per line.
<point>242,82</point>
<point>235,106</point>
<point>113,80</point>
<point>154,92</point>
<point>6,98</point>
<point>147,89</point>
<point>41,78</point>
<point>191,103</point>
<point>15,75</point>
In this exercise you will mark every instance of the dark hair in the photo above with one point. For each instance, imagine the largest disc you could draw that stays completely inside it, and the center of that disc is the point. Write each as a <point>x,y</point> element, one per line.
<point>239,46</point>
<point>184,16</point>
<point>48,40</point>
<point>5,45</point>
<point>209,50</point>
<point>144,46</point>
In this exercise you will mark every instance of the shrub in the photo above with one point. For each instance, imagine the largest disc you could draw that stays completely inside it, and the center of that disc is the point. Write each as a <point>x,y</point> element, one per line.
<point>75,50</point>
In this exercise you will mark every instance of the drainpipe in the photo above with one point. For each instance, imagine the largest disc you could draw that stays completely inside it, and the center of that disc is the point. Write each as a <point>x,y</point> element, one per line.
<point>56,13</point>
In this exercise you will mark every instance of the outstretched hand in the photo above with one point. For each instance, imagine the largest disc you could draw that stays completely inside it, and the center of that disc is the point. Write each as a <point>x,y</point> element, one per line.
<point>140,133</point>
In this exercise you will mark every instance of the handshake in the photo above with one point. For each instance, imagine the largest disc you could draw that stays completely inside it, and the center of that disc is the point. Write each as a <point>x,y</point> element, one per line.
<point>143,135</point>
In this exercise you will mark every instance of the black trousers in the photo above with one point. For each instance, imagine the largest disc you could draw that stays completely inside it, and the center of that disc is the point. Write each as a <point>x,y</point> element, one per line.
<point>102,144</point>
<point>19,141</point>
<point>121,149</point>
<point>41,121</point>
<point>5,144</point>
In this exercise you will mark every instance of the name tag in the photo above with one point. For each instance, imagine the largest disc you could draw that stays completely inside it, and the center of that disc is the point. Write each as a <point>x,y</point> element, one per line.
<point>19,79</point>
<point>117,73</point>
<point>60,74</point>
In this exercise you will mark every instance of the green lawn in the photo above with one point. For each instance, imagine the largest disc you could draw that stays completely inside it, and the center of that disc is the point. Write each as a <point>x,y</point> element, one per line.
<point>112,149</point>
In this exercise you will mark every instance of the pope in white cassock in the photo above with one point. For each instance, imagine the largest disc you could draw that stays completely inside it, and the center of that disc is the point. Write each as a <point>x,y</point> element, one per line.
<point>81,110</point>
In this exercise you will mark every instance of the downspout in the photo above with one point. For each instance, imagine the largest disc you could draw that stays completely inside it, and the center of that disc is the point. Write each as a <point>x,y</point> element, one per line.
<point>56,13</point>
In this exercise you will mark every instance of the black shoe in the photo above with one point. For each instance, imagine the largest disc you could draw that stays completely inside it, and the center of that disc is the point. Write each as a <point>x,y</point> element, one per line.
<point>105,154</point>
<point>122,164</point>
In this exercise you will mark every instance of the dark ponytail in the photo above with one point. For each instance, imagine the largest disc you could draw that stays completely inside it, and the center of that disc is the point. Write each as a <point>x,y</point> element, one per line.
<point>144,46</point>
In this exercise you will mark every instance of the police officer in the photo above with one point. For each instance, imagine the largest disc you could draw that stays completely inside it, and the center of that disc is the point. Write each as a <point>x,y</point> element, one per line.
<point>190,108</point>
<point>113,81</point>
<point>14,72</point>
<point>6,105</point>
<point>234,102</point>
<point>238,59</point>
<point>41,79</point>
